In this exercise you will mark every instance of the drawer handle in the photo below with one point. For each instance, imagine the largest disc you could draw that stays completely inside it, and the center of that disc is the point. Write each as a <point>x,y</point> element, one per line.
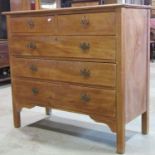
<point>85,98</point>
<point>84,21</point>
<point>31,24</point>
<point>31,45</point>
<point>35,91</point>
<point>85,73</point>
<point>33,68</point>
<point>84,46</point>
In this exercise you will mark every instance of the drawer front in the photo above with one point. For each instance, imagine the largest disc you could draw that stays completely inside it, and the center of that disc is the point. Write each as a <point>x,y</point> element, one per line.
<point>42,24</point>
<point>3,47</point>
<point>97,47</point>
<point>88,24</point>
<point>65,97</point>
<point>68,71</point>
<point>4,59</point>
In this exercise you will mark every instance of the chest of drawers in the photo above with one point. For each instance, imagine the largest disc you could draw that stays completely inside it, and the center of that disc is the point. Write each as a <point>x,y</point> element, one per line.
<point>90,60</point>
<point>4,61</point>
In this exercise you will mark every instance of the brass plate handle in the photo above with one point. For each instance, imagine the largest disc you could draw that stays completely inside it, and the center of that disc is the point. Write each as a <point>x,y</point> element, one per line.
<point>33,68</point>
<point>85,73</point>
<point>85,98</point>
<point>84,46</point>
<point>84,21</point>
<point>35,91</point>
<point>31,45</point>
<point>30,24</point>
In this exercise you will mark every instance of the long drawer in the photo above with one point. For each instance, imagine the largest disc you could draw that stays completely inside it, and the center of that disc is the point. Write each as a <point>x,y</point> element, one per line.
<point>94,47</point>
<point>4,59</point>
<point>88,24</point>
<point>41,24</point>
<point>102,74</point>
<point>65,97</point>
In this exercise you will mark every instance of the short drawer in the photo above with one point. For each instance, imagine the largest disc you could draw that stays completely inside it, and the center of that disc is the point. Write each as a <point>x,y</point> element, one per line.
<point>92,47</point>
<point>68,71</point>
<point>4,59</point>
<point>42,24</point>
<point>88,24</point>
<point>65,97</point>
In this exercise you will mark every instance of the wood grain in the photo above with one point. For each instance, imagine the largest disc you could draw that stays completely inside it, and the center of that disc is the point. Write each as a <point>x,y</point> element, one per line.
<point>145,116</point>
<point>78,10</point>
<point>4,59</point>
<point>93,24</point>
<point>65,97</point>
<point>120,97</point>
<point>68,71</point>
<point>46,24</point>
<point>16,109</point>
<point>3,46</point>
<point>65,46</point>
<point>136,63</point>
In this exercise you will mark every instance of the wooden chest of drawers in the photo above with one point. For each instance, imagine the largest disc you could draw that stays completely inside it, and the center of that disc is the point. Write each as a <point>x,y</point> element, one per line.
<point>90,60</point>
<point>4,60</point>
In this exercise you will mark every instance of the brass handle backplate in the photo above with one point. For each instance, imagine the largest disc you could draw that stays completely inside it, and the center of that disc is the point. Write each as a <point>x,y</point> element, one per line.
<point>85,73</point>
<point>35,91</point>
<point>31,45</point>
<point>30,24</point>
<point>33,68</point>
<point>85,98</point>
<point>84,21</point>
<point>84,46</point>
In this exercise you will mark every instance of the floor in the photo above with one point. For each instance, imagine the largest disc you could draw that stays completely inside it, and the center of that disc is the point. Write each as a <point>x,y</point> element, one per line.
<point>67,133</point>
